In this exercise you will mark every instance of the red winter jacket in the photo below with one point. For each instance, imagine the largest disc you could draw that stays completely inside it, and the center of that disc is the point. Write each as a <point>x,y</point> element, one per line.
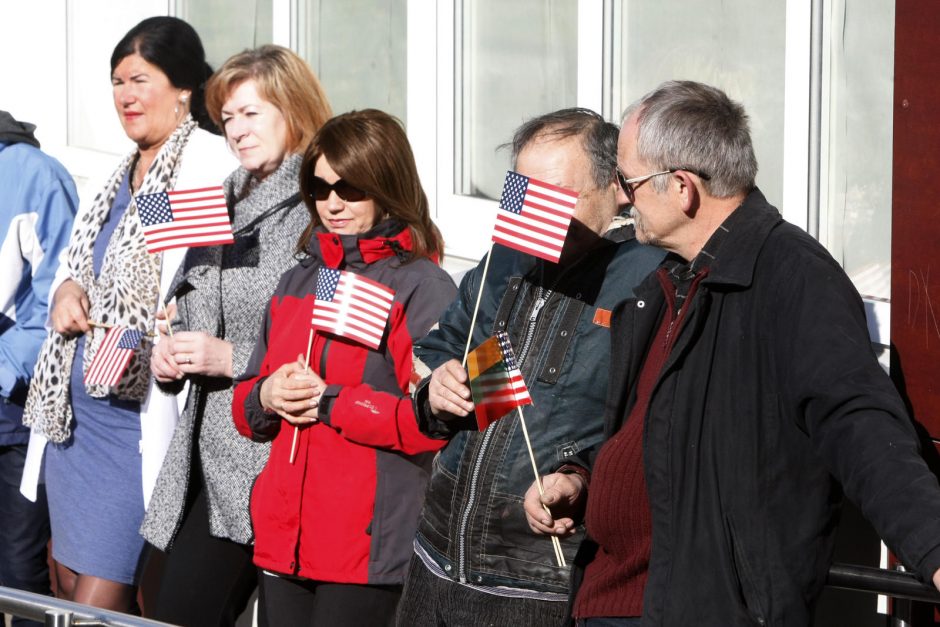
<point>347,508</point>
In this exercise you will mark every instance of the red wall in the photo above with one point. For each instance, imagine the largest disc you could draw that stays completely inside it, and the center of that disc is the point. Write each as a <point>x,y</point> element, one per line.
<point>915,232</point>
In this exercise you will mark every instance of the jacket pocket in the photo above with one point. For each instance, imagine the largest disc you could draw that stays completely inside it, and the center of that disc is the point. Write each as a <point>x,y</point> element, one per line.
<point>744,576</point>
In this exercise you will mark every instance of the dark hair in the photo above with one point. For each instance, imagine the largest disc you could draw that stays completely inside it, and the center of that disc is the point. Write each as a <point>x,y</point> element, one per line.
<point>689,125</point>
<point>369,149</point>
<point>598,136</point>
<point>173,46</point>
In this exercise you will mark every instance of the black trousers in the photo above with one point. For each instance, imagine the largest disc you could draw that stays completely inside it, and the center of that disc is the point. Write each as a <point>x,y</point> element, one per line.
<point>207,581</point>
<point>24,530</point>
<point>284,602</point>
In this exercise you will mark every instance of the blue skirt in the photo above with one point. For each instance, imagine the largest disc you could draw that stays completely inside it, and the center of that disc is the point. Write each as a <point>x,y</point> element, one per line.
<point>93,483</point>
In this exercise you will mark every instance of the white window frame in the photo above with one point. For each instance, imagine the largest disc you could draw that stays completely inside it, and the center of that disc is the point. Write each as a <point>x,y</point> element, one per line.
<point>465,221</point>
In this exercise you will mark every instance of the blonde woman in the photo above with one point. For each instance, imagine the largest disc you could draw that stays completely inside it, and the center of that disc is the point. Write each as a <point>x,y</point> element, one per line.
<point>269,105</point>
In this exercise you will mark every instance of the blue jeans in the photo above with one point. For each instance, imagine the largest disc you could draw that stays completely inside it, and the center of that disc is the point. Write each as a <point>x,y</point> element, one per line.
<point>430,601</point>
<point>24,530</point>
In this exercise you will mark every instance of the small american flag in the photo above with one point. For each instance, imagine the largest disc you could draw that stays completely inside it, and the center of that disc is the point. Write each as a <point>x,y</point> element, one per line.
<point>534,216</point>
<point>112,357</point>
<point>496,383</point>
<point>351,306</point>
<point>184,219</point>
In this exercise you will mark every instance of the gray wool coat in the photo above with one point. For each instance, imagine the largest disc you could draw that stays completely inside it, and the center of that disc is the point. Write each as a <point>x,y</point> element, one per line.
<point>224,291</point>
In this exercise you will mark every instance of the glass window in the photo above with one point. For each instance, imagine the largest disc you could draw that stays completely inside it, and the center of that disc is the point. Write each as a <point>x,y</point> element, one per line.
<point>228,26</point>
<point>357,50</point>
<point>859,86</point>
<point>93,31</point>
<point>737,45</point>
<point>514,61</point>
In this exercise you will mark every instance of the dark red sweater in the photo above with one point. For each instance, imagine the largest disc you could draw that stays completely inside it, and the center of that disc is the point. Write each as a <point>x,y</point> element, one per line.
<point>618,513</point>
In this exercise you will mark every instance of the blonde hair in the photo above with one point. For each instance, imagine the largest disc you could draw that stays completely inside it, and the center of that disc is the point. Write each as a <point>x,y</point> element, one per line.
<point>283,79</point>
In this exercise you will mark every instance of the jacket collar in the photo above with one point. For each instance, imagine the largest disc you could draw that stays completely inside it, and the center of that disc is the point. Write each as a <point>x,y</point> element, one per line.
<point>386,239</point>
<point>732,251</point>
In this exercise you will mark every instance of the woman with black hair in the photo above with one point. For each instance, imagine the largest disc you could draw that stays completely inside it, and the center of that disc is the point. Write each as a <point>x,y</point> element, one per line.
<point>105,440</point>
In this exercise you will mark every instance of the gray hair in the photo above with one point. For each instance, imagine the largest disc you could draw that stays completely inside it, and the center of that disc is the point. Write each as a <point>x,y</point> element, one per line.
<point>691,126</point>
<point>598,138</point>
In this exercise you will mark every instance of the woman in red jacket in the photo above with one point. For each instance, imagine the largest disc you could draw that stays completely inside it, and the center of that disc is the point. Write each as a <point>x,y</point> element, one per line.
<point>334,511</point>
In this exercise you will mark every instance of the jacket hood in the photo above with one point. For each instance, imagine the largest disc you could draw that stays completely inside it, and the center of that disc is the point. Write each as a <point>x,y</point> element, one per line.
<point>15,132</point>
<point>385,239</point>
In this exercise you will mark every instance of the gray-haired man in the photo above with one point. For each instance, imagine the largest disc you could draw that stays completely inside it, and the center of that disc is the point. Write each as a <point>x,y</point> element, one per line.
<point>744,397</point>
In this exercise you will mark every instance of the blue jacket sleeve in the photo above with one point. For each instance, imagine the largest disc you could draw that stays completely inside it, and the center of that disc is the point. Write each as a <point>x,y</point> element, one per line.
<point>447,341</point>
<point>44,204</point>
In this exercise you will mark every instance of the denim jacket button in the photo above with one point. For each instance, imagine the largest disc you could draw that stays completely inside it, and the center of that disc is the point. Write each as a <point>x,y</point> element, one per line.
<point>641,304</point>
<point>564,334</point>
<point>551,370</point>
<point>477,578</point>
<point>447,567</point>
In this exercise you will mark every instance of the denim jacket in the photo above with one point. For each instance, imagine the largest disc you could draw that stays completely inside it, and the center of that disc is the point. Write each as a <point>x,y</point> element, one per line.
<point>557,317</point>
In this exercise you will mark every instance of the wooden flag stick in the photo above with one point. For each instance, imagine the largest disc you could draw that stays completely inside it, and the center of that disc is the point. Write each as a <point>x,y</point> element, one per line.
<point>293,444</point>
<point>556,544</point>
<point>476,307</point>
<point>108,325</point>
<point>166,314</point>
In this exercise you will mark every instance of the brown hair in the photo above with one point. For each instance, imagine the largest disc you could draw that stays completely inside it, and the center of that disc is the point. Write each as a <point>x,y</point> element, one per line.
<point>283,79</point>
<point>369,150</point>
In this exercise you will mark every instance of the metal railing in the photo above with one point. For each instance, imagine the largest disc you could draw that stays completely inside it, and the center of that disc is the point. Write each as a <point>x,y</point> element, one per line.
<point>892,583</point>
<point>53,612</point>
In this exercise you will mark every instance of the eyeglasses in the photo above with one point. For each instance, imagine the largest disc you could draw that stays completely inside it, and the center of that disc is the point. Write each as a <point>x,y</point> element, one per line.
<point>629,185</point>
<point>320,190</point>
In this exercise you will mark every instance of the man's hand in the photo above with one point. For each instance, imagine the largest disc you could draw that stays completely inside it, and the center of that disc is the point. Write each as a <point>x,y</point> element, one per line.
<point>936,579</point>
<point>564,496</point>
<point>293,393</point>
<point>70,309</point>
<point>448,393</point>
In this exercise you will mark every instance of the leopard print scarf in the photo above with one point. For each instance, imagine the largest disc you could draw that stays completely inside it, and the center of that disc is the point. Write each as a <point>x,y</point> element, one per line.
<point>125,293</point>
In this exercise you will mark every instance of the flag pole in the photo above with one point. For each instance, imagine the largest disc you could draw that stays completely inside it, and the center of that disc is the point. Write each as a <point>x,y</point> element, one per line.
<point>556,544</point>
<point>293,444</point>
<point>107,325</point>
<point>166,314</point>
<point>476,307</point>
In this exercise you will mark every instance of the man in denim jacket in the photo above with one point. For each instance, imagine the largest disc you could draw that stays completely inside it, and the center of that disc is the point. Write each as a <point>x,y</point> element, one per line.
<point>476,561</point>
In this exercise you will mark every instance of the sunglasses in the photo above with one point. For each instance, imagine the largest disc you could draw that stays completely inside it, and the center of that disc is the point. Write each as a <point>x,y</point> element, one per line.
<point>629,185</point>
<point>320,190</point>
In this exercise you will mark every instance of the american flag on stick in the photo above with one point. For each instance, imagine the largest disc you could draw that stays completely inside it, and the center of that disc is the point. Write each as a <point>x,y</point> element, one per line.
<point>351,306</point>
<point>184,219</point>
<point>112,357</point>
<point>495,381</point>
<point>534,216</point>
